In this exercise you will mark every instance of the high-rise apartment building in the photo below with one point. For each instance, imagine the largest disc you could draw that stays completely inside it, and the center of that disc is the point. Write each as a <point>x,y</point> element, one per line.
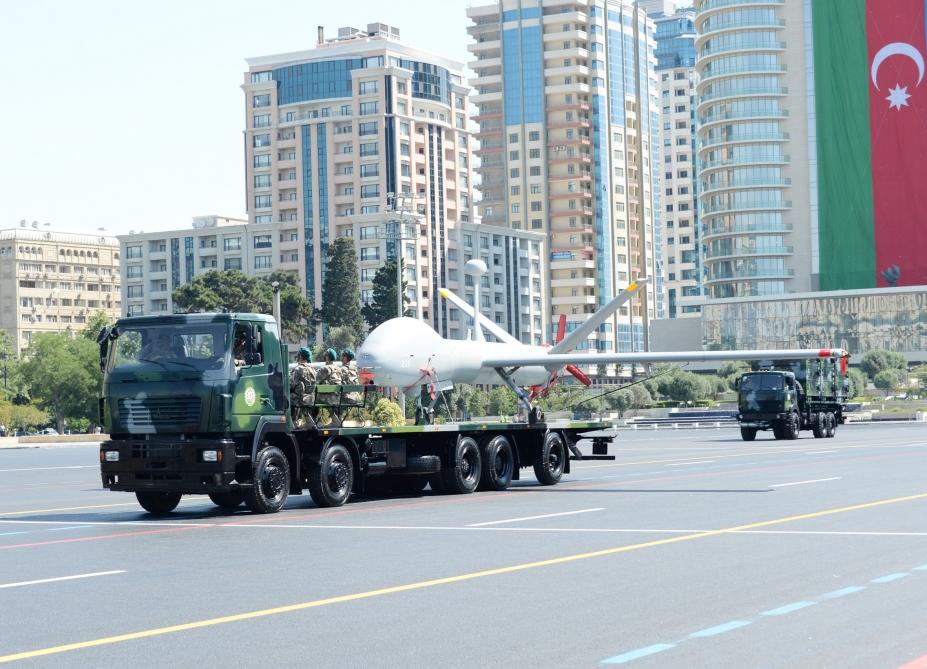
<point>569,130</point>
<point>155,263</point>
<point>337,132</point>
<point>55,281</point>
<point>756,166</point>
<point>675,37</point>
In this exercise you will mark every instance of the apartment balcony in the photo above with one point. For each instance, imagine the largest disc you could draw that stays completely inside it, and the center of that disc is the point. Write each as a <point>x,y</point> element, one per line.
<point>578,282</point>
<point>776,205</point>
<point>762,92</point>
<point>483,12</point>
<point>487,115</point>
<point>714,5</point>
<point>572,300</point>
<point>705,122</point>
<point>575,87</point>
<point>759,252</point>
<point>579,261</point>
<point>488,80</point>
<point>579,176</point>
<point>723,277</point>
<point>481,98</point>
<point>484,46</point>
<point>566,35</point>
<point>571,195</point>
<point>567,106</point>
<point>486,28</point>
<point>714,28</point>
<point>581,140</point>
<point>582,211</point>
<point>709,74</point>
<point>745,139</point>
<point>159,255</point>
<point>564,17</point>
<point>708,188</point>
<point>567,71</point>
<point>765,45</point>
<point>718,164</point>
<point>714,231</point>
<point>561,157</point>
<point>484,63</point>
<point>564,124</point>
<point>573,52</point>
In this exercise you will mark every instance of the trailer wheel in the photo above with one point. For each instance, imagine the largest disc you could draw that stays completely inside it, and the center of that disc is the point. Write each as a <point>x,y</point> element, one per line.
<point>820,425</point>
<point>831,425</point>
<point>330,481</point>
<point>270,481</point>
<point>498,464</point>
<point>792,426</point>
<point>227,500</point>
<point>549,462</point>
<point>158,502</point>
<point>462,474</point>
<point>748,433</point>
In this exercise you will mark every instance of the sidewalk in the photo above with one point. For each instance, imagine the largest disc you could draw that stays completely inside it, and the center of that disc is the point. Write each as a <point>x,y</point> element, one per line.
<point>47,439</point>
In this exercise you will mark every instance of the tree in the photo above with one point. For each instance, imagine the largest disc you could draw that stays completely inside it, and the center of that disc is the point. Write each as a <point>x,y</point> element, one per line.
<point>95,323</point>
<point>686,387</point>
<point>232,291</point>
<point>478,404</point>
<point>63,376</point>
<point>341,305</point>
<point>858,382</point>
<point>27,417</point>
<point>383,306</point>
<point>891,380</point>
<point>341,338</point>
<point>388,413</point>
<point>502,402</point>
<point>878,360</point>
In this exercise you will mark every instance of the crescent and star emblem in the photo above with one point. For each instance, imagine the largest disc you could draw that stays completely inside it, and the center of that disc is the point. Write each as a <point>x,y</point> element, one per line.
<point>898,96</point>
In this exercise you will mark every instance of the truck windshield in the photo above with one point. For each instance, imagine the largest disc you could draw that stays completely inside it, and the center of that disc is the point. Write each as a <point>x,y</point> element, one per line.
<point>193,346</point>
<point>761,382</point>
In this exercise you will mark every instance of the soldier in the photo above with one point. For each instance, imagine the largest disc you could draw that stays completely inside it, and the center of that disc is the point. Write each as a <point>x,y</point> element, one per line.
<point>349,376</point>
<point>302,387</point>
<point>329,375</point>
<point>238,350</point>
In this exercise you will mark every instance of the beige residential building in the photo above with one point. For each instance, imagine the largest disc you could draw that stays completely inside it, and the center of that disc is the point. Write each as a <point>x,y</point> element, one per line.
<point>55,281</point>
<point>337,132</point>
<point>569,130</point>
<point>155,263</point>
<point>756,147</point>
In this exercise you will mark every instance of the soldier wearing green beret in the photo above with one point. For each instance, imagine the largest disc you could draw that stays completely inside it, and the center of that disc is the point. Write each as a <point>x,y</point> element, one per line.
<point>329,375</point>
<point>349,376</point>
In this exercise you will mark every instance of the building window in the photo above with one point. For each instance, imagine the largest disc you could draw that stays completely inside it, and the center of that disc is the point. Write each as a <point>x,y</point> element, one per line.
<point>370,253</point>
<point>370,190</point>
<point>370,209</point>
<point>231,244</point>
<point>368,128</point>
<point>135,252</point>
<point>262,241</point>
<point>367,87</point>
<point>232,263</point>
<point>262,160</point>
<point>370,170</point>
<point>261,100</point>
<point>261,262</point>
<point>262,181</point>
<point>259,77</point>
<point>534,171</point>
<point>262,202</point>
<point>262,120</point>
<point>135,291</point>
<point>367,108</point>
<point>534,136</point>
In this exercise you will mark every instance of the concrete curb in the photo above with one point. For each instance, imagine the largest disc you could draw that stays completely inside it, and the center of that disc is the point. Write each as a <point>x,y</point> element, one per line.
<point>39,440</point>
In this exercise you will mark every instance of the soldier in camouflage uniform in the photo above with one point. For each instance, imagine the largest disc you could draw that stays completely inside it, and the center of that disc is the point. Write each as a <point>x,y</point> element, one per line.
<point>302,387</point>
<point>329,375</point>
<point>349,376</point>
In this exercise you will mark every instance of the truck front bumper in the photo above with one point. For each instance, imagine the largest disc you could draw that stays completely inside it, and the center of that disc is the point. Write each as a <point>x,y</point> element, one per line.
<point>761,421</point>
<point>168,464</point>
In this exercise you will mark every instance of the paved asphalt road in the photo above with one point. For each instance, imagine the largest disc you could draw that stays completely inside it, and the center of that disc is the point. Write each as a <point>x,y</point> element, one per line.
<point>693,549</point>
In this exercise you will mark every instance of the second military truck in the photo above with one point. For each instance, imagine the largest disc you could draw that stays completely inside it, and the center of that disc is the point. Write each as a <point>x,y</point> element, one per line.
<point>797,395</point>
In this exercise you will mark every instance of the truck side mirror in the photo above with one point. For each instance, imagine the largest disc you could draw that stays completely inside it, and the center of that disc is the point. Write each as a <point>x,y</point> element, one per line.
<point>103,341</point>
<point>737,384</point>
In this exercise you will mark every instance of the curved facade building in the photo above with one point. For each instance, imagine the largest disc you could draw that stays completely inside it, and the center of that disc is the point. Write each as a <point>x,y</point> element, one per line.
<point>754,198</point>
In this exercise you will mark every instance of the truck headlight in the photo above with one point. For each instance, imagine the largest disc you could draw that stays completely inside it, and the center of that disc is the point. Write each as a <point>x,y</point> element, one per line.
<point>111,456</point>
<point>210,456</point>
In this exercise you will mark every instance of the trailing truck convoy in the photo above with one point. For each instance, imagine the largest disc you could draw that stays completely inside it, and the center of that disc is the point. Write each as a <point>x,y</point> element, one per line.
<point>199,404</point>
<point>797,395</point>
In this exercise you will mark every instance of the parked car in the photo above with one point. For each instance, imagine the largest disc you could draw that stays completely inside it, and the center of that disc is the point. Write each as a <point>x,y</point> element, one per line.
<point>49,430</point>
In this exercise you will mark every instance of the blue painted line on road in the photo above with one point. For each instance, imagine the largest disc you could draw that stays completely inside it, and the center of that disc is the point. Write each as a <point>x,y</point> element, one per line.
<point>639,653</point>
<point>70,527</point>
<point>891,577</point>
<point>9,534</point>
<point>923,567</point>
<point>788,608</point>
<point>719,629</point>
<point>843,592</point>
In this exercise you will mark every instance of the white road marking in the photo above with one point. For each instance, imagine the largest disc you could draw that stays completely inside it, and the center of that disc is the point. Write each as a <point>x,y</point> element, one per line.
<point>546,515</point>
<point>693,462</point>
<point>785,485</point>
<point>62,578</point>
<point>39,469</point>
<point>819,452</point>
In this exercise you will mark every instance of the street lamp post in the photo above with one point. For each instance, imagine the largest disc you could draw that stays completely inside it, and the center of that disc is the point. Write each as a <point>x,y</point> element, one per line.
<point>401,227</point>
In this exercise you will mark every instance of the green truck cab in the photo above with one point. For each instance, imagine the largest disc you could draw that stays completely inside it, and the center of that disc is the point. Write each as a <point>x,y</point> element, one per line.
<point>798,395</point>
<point>200,404</point>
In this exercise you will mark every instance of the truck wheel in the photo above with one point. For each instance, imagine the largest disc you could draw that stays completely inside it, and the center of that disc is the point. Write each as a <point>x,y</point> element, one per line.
<point>831,425</point>
<point>227,500</point>
<point>792,426</point>
<point>463,473</point>
<point>820,426</point>
<point>330,481</point>
<point>270,481</point>
<point>549,463</point>
<point>498,464</point>
<point>748,433</point>
<point>158,502</point>
<point>778,430</point>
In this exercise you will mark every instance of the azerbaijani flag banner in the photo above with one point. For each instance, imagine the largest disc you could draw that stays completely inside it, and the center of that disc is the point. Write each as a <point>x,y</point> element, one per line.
<point>871,106</point>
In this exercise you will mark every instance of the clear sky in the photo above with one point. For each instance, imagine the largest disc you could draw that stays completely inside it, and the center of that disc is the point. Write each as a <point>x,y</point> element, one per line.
<point>128,115</point>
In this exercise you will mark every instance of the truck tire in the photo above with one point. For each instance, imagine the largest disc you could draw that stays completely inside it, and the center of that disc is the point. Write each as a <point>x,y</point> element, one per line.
<point>270,481</point>
<point>778,429</point>
<point>820,425</point>
<point>331,481</point>
<point>158,502</point>
<point>462,473</point>
<point>792,426</point>
<point>227,500</point>
<point>831,425</point>
<point>748,433</point>
<point>549,462</point>
<point>498,464</point>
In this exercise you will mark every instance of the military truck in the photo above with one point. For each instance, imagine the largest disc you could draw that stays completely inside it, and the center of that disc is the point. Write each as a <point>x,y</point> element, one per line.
<point>796,395</point>
<point>200,404</point>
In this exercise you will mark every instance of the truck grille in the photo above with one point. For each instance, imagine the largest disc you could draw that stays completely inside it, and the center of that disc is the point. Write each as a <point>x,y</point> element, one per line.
<point>173,413</point>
